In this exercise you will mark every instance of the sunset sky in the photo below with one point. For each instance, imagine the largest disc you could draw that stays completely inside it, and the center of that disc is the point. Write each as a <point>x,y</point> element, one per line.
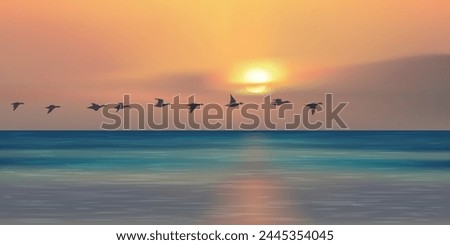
<point>72,53</point>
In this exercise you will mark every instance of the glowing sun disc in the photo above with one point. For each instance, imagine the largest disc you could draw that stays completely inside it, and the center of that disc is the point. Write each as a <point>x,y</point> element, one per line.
<point>256,89</point>
<point>257,75</point>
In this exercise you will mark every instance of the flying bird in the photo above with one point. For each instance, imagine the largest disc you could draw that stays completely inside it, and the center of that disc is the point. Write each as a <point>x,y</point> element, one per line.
<point>233,102</point>
<point>120,106</point>
<point>193,106</point>
<point>51,108</point>
<point>16,105</point>
<point>313,106</point>
<point>161,103</point>
<point>95,107</point>
<point>280,102</point>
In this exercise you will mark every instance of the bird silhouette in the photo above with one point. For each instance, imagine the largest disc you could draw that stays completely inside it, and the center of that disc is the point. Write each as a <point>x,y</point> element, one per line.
<point>120,106</point>
<point>279,102</point>
<point>16,105</point>
<point>233,102</point>
<point>313,106</point>
<point>50,108</point>
<point>95,106</point>
<point>161,103</point>
<point>193,106</point>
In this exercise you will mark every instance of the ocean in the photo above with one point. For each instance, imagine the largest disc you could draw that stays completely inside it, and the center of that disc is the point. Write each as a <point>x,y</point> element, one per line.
<point>224,177</point>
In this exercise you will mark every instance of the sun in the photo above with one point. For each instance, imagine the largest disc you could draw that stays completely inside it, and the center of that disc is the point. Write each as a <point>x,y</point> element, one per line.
<point>256,89</point>
<point>256,80</point>
<point>257,77</point>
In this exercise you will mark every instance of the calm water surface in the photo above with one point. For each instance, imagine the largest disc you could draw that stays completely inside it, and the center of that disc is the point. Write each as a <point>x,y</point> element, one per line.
<point>183,177</point>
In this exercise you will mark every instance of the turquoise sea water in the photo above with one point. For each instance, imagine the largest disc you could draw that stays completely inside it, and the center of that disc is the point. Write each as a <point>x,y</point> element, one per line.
<point>224,177</point>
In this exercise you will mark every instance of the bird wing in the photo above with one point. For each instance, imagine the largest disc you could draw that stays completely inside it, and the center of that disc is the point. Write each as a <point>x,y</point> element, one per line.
<point>15,105</point>
<point>313,111</point>
<point>232,100</point>
<point>118,107</point>
<point>192,107</point>
<point>160,102</point>
<point>50,109</point>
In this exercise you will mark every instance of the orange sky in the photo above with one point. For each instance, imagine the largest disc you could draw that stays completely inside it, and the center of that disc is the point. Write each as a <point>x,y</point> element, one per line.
<point>75,52</point>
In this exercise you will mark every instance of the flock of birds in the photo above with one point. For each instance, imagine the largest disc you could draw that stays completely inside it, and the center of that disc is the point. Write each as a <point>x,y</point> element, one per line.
<point>161,103</point>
